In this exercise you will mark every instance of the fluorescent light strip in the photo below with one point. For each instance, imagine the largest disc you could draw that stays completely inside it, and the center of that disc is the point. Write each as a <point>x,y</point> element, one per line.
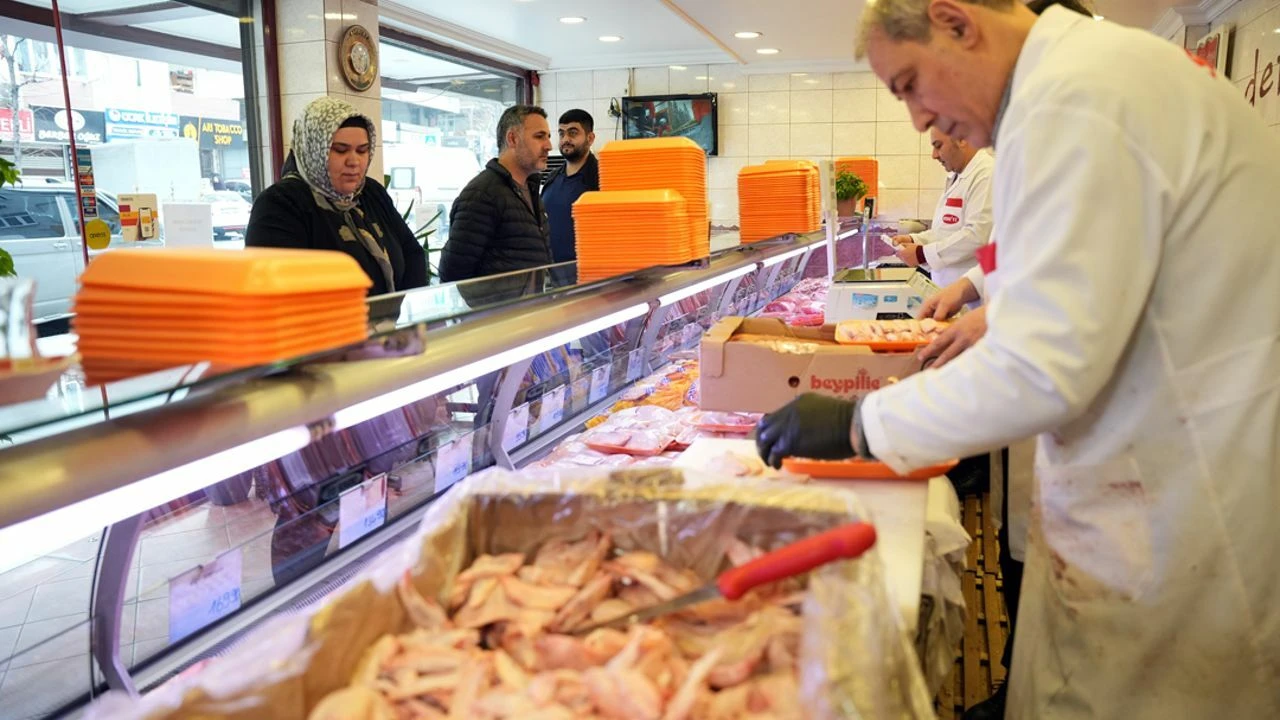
<point>374,407</point>
<point>785,256</point>
<point>847,233</point>
<point>59,528</point>
<point>678,295</point>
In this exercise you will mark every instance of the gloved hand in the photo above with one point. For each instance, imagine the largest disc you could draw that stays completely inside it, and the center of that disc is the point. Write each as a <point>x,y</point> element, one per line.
<point>811,426</point>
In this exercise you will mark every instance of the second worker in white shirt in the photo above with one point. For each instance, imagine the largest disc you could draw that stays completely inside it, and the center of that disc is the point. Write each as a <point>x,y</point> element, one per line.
<point>962,222</point>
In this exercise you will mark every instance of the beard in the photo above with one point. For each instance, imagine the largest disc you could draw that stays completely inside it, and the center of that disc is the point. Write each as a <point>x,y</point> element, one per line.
<point>573,154</point>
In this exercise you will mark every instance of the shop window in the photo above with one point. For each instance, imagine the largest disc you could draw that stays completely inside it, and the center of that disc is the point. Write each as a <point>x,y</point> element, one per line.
<point>27,215</point>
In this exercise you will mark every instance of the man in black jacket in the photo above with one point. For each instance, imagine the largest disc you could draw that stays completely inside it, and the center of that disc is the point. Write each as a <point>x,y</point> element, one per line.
<point>498,224</point>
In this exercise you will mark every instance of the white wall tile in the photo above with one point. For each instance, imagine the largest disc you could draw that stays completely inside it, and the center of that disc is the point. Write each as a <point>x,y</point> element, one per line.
<point>576,85</point>
<point>302,69</point>
<point>810,106</point>
<point>352,12</point>
<point>897,138</point>
<point>611,83</point>
<point>724,206</point>
<point>854,139</point>
<point>607,127</point>
<point>898,204</point>
<point>812,139</point>
<point>722,172</point>
<point>770,83</point>
<point>928,202</point>
<point>853,106</point>
<point>810,81</point>
<point>855,80</point>
<point>890,108</point>
<point>651,81</point>
<point>726,79</point>
<point>926,144</point>
<point>691,80</point>
<point>733,109</point>
<point>770,141</point>
<point>899,172</point>
<point>547,87</point>
<point>734,140</point>
<point>764,108</point>
<point>932,174</point>
<point>300,22</point>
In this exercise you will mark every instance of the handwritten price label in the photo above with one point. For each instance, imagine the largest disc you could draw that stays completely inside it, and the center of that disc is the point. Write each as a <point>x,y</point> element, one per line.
<point>362,509</point>
<point>516,433</point>
<point>204,595</point>
<point>599,383</point>
<point>552,409</point>
<point>635,365</point>
<point>453,462</point>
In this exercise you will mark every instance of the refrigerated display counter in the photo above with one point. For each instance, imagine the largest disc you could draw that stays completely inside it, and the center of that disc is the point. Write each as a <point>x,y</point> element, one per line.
<point>147,526</point>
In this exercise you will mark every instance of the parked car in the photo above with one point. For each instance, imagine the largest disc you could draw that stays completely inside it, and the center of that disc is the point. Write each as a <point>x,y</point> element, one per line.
<point>230,213</point>
<point>244,189</point>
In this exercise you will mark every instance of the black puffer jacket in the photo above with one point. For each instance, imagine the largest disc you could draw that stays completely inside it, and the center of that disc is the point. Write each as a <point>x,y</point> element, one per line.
<point>492,230</point>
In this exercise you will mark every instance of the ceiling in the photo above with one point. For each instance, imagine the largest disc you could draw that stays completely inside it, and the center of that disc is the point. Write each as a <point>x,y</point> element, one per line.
<point>810,34</point>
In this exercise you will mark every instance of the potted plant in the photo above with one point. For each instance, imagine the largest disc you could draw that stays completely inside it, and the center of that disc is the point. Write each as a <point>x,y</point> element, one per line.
<point>849,190</point>
<point>8,176</point>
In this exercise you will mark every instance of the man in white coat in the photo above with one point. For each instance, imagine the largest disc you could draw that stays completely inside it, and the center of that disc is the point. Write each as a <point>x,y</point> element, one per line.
<point>1146,358</point>
<point>962,220</point>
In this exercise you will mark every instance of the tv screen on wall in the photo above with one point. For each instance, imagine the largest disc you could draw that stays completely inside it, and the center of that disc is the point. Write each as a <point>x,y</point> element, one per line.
<point>691,116</point>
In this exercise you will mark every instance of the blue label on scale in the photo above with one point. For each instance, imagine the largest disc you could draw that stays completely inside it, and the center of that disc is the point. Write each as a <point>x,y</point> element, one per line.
<point>891,298</point>
<point>863,300</point>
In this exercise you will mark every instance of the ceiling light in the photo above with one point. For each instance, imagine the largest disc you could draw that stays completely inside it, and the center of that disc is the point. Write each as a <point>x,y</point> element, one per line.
<point>747,35</point>
<point>572,20</point>
<point>1098,17</point>
<point>610,38</point>
<point>701,77</point>
<point>799,74</point>
<point>767,51</point>
<point>677,67</point>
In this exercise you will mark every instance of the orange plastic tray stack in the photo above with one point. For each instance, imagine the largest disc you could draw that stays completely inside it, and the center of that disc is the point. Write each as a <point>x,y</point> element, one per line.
<point>675,163</point>
<point>864,167</point>
<point>139,311</point>
<point>779,197</point>
<point>621,231</point>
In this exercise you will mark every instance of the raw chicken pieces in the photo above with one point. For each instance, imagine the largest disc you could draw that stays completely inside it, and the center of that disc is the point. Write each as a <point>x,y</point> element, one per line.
<point>853,332</point>
<point>804,306</point>
<point>496,649</point>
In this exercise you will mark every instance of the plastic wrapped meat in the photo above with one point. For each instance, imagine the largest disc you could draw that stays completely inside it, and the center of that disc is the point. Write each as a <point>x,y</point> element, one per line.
<point>725,422</point>
<point>876,331</point>
<point>807,320</point>
<point>631,442</point>
<point>781,305</point>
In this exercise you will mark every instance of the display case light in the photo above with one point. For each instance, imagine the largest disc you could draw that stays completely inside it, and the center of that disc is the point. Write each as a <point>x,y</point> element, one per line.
<point>382,404</point>
<point>784,256</point>
<point>44,534</point>
<point>674,297</point>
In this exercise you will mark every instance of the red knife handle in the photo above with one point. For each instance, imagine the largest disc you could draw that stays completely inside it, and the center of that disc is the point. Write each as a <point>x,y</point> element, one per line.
<point>842,543</point>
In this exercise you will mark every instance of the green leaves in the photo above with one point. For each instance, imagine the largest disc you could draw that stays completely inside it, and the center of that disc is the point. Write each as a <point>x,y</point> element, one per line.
<point>8,176</point>
<point>849,186</point>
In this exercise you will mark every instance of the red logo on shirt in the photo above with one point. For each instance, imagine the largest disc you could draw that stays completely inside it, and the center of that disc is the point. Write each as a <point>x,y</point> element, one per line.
<point>955,202</point>
<point>950,219</point>
<point>986,258</point>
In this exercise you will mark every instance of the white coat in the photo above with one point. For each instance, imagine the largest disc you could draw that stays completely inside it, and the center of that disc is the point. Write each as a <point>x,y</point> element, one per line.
<point>961,222</point>
<point>1137,327</point>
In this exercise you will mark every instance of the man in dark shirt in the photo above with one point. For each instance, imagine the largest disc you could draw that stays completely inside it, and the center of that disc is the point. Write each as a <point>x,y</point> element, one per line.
<point>580,174</point>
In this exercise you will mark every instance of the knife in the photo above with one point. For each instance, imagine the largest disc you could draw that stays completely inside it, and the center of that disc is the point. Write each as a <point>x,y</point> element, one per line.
<point>841,543</point>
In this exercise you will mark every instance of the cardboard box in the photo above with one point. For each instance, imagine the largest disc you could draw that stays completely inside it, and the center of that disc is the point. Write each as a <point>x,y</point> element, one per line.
<point>754,377</point>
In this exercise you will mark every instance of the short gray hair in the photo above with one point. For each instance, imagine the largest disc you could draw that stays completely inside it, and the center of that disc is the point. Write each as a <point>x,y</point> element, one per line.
<point>512,118</point>
<point>902,20</point>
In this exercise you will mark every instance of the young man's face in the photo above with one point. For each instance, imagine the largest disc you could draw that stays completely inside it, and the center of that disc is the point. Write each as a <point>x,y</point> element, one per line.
<point>575,141</point>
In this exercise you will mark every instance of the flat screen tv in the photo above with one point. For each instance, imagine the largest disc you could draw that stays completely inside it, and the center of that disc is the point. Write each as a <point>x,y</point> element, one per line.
<point>691,116</point>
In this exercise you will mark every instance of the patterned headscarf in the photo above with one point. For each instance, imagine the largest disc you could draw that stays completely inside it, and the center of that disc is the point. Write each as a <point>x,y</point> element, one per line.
<point>312,136</point>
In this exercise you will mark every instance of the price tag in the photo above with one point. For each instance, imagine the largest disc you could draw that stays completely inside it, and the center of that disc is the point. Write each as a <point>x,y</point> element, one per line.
<point>552,409</point>
<point>362,509</point>
<point>204,595</point>
<point>516,433</point>
<point>635,363</point>
<point>599,384</point>
<point>453,462</point>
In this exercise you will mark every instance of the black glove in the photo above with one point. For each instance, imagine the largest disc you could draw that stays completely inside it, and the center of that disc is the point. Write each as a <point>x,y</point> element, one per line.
<point>811,426</point>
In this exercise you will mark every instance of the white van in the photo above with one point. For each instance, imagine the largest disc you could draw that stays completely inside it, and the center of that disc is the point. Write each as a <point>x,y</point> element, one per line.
<point>431,178</point>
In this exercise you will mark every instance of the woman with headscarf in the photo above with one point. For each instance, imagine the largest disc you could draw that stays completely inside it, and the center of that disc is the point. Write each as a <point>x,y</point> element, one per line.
<point>325,201</point>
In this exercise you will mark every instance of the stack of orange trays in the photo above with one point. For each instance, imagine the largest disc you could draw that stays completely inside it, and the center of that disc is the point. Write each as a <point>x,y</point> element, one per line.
<point>864,167</point>
<point>620,231</point>
<point>140,311</point>
<point>670,163</point>
<point>779,197</point>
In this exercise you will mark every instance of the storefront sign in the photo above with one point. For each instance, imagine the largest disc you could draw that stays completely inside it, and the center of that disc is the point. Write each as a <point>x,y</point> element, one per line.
<point>26,125</point>
<point>53,125</point>
<point>183,81</point>
<point>214,133</point>
<point>136,124</point>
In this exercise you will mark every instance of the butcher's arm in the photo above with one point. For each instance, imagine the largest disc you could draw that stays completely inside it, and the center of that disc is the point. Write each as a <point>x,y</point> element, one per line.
<point>1075,278</point>
<point>978,280</point>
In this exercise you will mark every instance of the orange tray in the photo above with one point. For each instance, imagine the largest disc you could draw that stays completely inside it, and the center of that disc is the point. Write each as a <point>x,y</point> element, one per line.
<point>860,469</point>
<point>249,272</point>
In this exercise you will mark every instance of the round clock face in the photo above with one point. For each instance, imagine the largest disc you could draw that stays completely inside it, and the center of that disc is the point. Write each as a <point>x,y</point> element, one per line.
<point>359,58</point>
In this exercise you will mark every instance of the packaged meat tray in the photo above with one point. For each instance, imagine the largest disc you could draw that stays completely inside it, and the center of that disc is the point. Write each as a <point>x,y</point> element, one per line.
<point>861,469</point>
<point>889,335</point>
<point>458,620</point>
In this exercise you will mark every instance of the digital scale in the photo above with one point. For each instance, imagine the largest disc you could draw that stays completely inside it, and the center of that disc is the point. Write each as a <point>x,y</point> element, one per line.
<point>883,293</point>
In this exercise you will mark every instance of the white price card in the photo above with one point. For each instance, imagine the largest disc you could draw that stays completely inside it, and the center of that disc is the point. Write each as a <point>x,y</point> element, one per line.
<point>635,365</point>
<point>516,433</point>
<point>204,595</point>
<point>362,509</point>
<point>453,462</point>
<point>552,409</point>
<point>599,383</point>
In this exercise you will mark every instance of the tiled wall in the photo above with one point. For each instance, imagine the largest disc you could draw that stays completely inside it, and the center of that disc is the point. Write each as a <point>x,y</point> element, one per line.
<point>813,116</point>
<point>1257,24</point>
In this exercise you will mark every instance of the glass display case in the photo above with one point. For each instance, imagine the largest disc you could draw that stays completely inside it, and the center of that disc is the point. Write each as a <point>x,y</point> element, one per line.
<point>146,525</point>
